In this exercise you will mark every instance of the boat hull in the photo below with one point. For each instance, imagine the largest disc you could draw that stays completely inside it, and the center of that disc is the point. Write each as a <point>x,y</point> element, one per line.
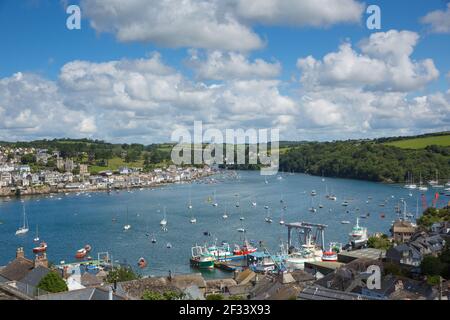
<point>202,264</point>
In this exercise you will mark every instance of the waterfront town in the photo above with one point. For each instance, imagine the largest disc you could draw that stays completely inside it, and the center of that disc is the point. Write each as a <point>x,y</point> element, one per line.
<point>412,260</point>
<point>190,151</point>
<point>17,178</point>
<point>345,278</point>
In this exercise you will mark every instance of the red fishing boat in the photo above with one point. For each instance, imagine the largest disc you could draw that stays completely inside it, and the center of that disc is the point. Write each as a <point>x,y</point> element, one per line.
<point>244,250</point>
<point>41,248</point>
<point>81,253</point>
<point>331,255</point>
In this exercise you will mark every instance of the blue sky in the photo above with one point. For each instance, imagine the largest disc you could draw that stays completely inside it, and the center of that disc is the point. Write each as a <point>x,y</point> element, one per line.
<point>35,41</point>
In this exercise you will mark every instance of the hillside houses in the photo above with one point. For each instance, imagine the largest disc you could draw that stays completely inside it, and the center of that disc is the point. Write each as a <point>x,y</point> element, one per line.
<point>419,245</point>
<point>18,177</point>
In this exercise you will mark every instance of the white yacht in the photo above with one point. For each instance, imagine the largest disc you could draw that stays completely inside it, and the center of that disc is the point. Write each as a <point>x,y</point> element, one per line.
<point>24,228</point>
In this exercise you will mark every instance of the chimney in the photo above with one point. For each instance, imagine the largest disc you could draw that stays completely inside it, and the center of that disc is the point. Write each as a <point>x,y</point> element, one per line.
<point>41,260</point>
<point>65,274</point>
<point>20,253</point>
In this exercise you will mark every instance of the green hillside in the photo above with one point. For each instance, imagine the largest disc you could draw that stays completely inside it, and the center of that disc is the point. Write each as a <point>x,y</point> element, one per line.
<point>421,143</point>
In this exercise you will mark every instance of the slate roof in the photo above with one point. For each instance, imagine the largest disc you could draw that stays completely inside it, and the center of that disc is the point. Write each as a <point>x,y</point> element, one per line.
<point>318,293</point>
<point>34,276</point>
<point>82,294</point>
<point>89,280</point>
<point>17,269</point>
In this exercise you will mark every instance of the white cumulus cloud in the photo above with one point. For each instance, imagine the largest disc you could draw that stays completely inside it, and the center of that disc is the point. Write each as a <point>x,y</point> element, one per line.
<point>212,24</point>
<point>318,13</point>
<point>383,63</point>
<point>229,65</point>
<point>438,21</point>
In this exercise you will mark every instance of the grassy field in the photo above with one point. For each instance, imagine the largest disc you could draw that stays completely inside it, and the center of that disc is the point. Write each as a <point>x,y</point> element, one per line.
<point>115,164</point>
<point>420,143</point>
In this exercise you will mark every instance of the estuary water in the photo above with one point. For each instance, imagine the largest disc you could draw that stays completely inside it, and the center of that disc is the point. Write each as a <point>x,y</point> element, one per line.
<point>68,222</point>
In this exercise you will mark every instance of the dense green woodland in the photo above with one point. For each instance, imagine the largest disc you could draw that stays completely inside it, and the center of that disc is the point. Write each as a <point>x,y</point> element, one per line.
<point>367,161</point>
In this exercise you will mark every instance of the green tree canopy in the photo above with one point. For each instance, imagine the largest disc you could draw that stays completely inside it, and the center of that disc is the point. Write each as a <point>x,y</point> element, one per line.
<point>53,283</point>
<point>121,274</point>
<point>431,266</point>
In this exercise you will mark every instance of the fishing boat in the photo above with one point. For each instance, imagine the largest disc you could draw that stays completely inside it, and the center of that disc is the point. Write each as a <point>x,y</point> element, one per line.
<point>244,250</point>
<point>358,235</point>
<point>261,262</point>
<point>81,253</point>
<point>308,252</point>
<point>345,222</point>
<point>142,263</point>
<point>332,197</point>
<point>345,203</point>
<point>220,253</point>
<point>253,204</point>
<point>332,254</point>
<point>313,193</point>
<point>168,245</point>
<point>266,207</point>
<point>201,258</point>
<point>153,238</point>
<point>41,248</point>
<point>24,228</point>
<point>237,202</point>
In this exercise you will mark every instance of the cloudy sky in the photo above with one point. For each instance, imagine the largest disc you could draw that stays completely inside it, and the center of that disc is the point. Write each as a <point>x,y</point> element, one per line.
<point>139,69</point>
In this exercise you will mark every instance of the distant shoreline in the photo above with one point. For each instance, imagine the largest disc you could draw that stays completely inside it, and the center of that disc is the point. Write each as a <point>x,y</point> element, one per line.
<point>52,191</point>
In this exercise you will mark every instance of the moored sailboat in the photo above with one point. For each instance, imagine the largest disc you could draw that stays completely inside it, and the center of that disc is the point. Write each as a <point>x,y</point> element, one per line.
<point>163,222</point>
<point>127,226</point>
<point>24,228</point>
